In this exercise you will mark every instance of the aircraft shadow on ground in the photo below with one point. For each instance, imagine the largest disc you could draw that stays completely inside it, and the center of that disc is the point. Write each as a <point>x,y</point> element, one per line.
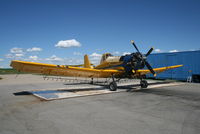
<point>22,93</point>
<point>132,87</point>
<point>85,83</point>
<point>103,87</point>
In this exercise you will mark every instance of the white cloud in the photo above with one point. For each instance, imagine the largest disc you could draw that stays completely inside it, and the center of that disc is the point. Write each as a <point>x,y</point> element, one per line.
<point>54,58</point>
<point>33,57</point>
<point>125,53</point>
<point>116,53</point>
<point>15,56</point>
<point>77,53</point>
<point>68,43</point>
<point>9,56</point>
<point>95,58</point>
<point>1,59</point>
<point>73,61</point>
<point>62,61</point>
<point>34,49</point>
<point>157,50</point>
<point>172,51</point>
<point>16,50</point>
<point>19,55</point>
<point>95,55</point>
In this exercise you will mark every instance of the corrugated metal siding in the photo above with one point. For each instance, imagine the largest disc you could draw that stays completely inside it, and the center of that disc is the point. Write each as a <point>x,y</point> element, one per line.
<point>189,59</point>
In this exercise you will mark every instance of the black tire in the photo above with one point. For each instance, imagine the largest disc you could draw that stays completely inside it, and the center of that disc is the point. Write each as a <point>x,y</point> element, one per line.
<point>113,86</point>
<point>143,84</point>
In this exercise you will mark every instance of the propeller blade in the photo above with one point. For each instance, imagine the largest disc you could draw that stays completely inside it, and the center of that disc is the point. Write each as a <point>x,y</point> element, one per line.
<point>149,52</point>
<point>132,42</point>
<point>150,68</point>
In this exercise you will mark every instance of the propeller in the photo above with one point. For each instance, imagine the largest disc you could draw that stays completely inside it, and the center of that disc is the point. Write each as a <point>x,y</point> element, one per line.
<point>135,46</point>
<point>142,57</point>
<point>149,52</point>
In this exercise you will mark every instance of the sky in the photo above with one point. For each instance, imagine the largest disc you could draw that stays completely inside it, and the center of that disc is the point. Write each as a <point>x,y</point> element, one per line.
<point>62,31</point>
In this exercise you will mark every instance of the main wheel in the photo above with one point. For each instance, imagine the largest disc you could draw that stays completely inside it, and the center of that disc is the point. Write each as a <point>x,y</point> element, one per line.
<point>143,84</point>
<point>113,86</point>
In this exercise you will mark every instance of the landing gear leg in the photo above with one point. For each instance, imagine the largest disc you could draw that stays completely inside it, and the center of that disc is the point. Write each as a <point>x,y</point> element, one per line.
<point>113,85</point>
<point>92,82</point>
<point>143,83</point>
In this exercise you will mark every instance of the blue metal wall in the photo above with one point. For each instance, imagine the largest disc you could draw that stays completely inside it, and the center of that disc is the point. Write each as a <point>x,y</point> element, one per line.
<point>189,59</point>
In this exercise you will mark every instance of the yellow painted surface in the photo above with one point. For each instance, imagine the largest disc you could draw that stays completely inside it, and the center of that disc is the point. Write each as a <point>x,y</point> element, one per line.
<point>86,62</point>
<point>61,70</point>
<point>106,64</point>
<point>50,69</point>
<point>158,70</point>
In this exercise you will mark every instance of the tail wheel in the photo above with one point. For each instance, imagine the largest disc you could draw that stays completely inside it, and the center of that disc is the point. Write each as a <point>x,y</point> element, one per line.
<point>113,86</point>
<point>143,84</point>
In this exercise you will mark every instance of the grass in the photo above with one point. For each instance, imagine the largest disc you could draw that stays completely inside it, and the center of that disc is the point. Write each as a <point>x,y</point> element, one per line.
<point>8,71</point>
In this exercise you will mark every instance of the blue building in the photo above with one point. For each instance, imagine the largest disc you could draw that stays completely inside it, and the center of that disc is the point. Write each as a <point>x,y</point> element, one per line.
<point>189,59</point>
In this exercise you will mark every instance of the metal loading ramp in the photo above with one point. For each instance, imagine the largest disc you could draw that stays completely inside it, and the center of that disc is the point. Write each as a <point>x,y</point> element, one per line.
<point>64,94</point>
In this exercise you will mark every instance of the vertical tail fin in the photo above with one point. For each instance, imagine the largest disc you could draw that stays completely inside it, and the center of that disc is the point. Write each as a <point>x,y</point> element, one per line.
<point>86,62</point>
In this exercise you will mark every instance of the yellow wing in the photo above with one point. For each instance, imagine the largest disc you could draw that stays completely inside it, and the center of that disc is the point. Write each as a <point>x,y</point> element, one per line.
<point>62,70</point>
<point>157,70</point>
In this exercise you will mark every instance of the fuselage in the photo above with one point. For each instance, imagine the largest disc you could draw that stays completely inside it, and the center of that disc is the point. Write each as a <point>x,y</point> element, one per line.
<point>127,62</point>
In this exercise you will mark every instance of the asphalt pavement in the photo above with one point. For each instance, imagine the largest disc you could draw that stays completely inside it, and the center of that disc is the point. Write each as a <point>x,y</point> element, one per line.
<point>159,110</point>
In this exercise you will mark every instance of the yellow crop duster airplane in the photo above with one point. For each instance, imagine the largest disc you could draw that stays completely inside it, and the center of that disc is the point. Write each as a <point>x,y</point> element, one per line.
<point>127,66</point>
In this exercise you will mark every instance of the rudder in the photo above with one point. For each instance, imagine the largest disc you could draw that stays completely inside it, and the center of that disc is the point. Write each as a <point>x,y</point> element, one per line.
<point>86,62</point>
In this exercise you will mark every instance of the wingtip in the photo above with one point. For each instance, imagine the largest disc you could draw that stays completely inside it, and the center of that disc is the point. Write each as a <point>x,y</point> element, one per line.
<point>176,66</point>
